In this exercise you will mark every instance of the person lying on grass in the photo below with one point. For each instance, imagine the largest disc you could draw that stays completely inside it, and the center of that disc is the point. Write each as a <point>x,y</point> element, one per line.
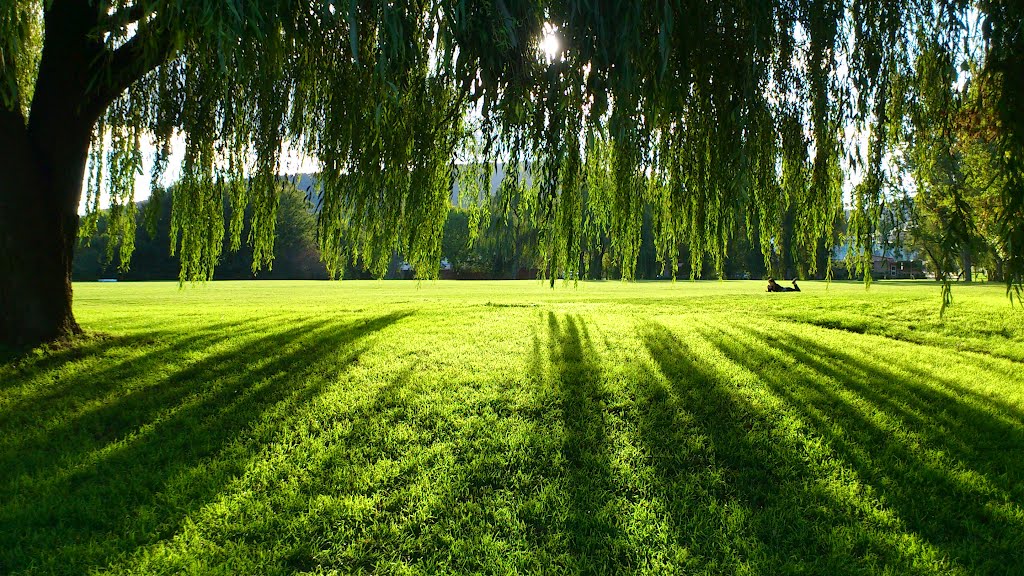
<point>773,286</point>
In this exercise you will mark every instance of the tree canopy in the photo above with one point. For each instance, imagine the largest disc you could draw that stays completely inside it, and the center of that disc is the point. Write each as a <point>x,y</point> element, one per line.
<point>716,116</point>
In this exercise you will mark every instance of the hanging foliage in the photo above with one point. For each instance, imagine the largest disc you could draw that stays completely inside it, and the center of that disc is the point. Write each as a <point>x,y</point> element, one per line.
<point>710,116</point>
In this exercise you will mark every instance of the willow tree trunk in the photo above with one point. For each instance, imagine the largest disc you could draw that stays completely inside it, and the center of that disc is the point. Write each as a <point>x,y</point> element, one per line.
<point>42,165</point>
<point>42,168</point>
<point>788,268</point>
<point>37,236</point>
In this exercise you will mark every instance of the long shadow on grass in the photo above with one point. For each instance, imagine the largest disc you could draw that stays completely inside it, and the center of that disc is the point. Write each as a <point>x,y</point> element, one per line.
<point>443,478</point>
<point>54,400</point>
<point>345,473</point>
<point>590,522</point>
<point>104,403</point>
<point>945,458</point>
<point>125,472</point>
<point>684,425</point>
<point>741,490</point>
<point>48,358</point>
<point>700,436</point>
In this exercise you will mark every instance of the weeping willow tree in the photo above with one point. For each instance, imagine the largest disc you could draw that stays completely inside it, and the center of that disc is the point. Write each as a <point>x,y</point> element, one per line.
<point>712,116</point>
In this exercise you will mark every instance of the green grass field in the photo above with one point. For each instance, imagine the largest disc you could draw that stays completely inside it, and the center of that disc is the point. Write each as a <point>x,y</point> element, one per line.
<point>508,428</point>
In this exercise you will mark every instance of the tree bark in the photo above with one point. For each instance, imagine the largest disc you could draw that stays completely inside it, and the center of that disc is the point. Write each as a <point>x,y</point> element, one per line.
<point>597,261</point>
<point>39,196</point>
<point>517,246</point>
<point>43,162</point>
<point>35,242</point>
<point>36,249</point>
<point>43,165</point>
<point>966,265</point>
<point>788,268</point>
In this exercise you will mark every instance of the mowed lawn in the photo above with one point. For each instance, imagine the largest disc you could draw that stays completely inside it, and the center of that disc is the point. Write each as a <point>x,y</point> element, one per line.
<point>511,428</point>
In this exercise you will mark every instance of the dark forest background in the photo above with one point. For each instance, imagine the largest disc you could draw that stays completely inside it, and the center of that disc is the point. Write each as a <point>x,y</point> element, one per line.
<point>477,244</point>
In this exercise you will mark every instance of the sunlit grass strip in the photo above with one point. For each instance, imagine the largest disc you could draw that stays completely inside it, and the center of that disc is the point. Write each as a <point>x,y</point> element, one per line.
<point>510,428</point>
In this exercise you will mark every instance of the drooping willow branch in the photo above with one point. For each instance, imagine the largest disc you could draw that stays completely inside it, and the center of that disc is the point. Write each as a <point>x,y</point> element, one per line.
<point>704,117</point>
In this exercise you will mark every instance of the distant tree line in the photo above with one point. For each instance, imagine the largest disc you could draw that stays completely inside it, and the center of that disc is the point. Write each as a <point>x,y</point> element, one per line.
<point>496,241</point>
<point>488,242</point>
<point>295,251</point>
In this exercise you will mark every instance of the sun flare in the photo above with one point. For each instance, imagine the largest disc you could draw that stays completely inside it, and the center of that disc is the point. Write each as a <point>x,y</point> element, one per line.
<point>550,43</point>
